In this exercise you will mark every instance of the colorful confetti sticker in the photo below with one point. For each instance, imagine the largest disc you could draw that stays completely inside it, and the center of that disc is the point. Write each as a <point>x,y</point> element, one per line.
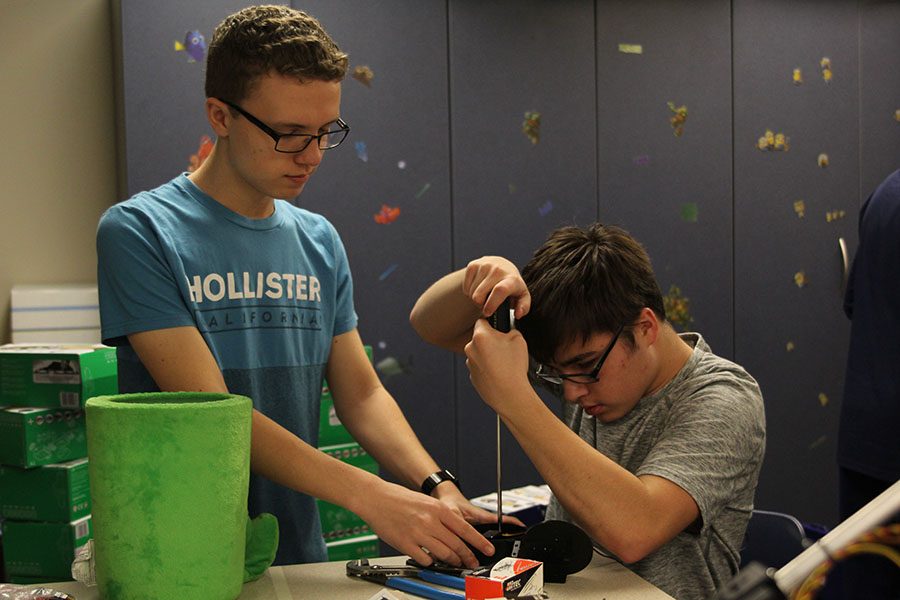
<point>689,212</point>
<point>641,160</point>
<point>203,151</point>
<point>771,141</point>
<point>382,344</point>
<point>194,46</point>
<point>678,118</point>
<point>818,442</point>
<point>798,76</point>
<point>387,215</point>
<point>361,151</point>
<point>387,272</point>
<point>531,126</point>
<point>401,164</point>
<point>800,208</point>
<point>897,115</point>
<point>545,209</point>
<point>822,160</point>
<point>422,191</point>
<point>678,309</point>
<point>825,63</point>
<point>364,75</point>
<point>631,49</point>
<point>800,279</point>
<point>834,215</point>
<point>823,399</point>
<point>789,346</point>
<point>391,366</point>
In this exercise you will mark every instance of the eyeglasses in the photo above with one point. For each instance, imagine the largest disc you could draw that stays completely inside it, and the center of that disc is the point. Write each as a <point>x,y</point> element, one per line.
<point>292,143</point>
<point>592,377</point>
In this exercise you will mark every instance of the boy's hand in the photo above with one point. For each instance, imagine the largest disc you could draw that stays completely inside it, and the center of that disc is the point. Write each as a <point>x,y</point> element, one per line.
<point>451,496</point>
<point>421,527</point>
<point>489,280</point>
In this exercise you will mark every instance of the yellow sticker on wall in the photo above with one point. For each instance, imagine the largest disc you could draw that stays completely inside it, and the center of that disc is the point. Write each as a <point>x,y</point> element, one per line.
<point>800,279</point>
<point>825,63</point>
<point>631,49</point>
<point>677,307</point>
<point>800,208</point>
<point>678,118</point>
<point>364,75</point>
<point>531,126</point>
<point>771,141</point>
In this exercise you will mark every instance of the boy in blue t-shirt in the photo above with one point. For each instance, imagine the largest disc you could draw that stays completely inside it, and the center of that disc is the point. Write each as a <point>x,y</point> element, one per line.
<point>208,283</point>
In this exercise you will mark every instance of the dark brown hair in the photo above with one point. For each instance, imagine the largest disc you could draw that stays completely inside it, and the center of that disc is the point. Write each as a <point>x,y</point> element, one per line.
<point>584,282</point>
<point>264,39</point>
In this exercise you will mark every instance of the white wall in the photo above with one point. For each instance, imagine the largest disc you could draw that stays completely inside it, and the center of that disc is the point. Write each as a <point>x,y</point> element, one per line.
<point>57,141</point>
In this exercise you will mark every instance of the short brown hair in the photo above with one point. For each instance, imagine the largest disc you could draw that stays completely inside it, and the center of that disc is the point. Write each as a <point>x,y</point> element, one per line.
<point>263,39</point>
<point>583,282</point>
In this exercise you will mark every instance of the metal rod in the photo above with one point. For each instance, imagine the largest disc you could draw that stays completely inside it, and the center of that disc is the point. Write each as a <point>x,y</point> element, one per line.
<point>499,487</point>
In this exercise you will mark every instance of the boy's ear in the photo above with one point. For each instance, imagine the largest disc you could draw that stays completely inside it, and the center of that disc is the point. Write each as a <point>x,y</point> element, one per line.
<point>219,116</point>
<point>648,326</point>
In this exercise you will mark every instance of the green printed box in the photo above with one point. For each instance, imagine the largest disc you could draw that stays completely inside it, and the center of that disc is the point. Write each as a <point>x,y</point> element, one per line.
<point>34,436</point>
<point>364,546</point>
<point>57,376</point>
<point>58,492</point>
<point>331,430</point>
<point>338,522</point>
<point>36,549</point>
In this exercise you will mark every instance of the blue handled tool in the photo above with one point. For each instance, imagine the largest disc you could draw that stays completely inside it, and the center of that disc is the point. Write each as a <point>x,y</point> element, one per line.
<point>406,578</point>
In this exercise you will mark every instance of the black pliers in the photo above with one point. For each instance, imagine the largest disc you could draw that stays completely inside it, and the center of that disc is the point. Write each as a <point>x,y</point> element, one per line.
<point>408,579</point>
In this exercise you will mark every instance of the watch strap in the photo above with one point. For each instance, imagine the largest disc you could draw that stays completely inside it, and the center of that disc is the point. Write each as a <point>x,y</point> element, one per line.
<point>433,480</point>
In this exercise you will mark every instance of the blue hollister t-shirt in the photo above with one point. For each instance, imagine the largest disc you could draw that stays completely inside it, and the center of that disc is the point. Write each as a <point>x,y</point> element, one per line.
<point>268,295</point>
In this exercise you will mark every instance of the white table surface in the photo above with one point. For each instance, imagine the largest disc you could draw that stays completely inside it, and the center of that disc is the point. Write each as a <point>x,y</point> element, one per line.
<point>602,579</point>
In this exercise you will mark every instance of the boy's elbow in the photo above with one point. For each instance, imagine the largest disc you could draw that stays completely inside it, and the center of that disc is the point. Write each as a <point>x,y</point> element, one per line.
<point>627,545</point>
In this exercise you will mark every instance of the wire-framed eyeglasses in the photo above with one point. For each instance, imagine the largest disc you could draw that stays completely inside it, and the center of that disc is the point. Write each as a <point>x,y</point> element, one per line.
<point>592,377</point>
<point>292,143</point>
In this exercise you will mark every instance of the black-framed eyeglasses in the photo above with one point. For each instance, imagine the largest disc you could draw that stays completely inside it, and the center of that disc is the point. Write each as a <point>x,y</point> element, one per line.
<point>592,377</point>
<point>291,143</point>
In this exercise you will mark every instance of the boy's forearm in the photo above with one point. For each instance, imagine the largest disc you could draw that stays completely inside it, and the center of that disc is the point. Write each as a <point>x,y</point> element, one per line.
<point>443,315</point>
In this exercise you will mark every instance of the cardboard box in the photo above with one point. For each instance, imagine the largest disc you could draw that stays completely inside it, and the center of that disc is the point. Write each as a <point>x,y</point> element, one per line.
<point>34,436</point>
<point>36,549</point>
<point>508,578</point>
<point>364,546</point>
<point>528,503</point>
<point>62,313</point>
<point>338,522</point>
<point>57,376</point>
<point>58,492</point>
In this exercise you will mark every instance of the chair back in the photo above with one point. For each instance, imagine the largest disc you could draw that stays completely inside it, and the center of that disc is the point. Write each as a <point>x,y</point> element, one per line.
<point>773,539</point>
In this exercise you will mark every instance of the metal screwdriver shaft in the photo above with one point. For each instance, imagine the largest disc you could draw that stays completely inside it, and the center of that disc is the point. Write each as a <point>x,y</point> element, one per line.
<point>499,487</point>
<point>501,320</point>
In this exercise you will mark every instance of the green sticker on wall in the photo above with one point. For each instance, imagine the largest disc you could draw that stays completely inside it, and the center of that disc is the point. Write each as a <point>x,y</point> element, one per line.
<point>689,212</point>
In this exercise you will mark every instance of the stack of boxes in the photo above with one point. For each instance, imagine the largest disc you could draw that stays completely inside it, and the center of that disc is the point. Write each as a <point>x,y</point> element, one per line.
<point>346,535</point>
<point>44,492</point>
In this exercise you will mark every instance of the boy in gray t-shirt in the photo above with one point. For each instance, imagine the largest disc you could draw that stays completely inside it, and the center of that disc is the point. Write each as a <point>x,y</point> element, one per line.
<point>659,455</point>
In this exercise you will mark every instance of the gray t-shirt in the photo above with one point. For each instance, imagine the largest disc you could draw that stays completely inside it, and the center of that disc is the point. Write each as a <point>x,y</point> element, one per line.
<point>705,432</point>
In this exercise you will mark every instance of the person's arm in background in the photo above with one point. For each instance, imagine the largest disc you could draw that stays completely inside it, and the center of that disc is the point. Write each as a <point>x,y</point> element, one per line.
<point>178,359</point>
<point>446,312</point>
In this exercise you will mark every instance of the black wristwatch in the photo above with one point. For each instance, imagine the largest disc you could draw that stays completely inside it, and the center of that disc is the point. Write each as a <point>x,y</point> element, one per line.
<point>434,479</point>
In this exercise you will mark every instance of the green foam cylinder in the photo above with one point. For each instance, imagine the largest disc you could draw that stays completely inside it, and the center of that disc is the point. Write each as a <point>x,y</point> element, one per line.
<point>169,474</point>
